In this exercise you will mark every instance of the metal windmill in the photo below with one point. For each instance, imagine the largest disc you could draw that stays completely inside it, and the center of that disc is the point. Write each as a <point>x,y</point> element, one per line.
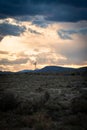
<point>35,64</point>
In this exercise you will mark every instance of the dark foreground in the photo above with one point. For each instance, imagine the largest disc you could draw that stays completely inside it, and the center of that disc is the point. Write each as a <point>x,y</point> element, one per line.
<point>43,102</point>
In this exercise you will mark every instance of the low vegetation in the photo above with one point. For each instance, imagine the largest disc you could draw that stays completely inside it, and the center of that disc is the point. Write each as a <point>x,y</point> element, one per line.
<point>43,102</point>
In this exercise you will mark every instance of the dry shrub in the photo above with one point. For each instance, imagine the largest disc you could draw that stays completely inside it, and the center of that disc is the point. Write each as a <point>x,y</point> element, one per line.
<point>79,104</point>
<point>38,121</point>
<point>8,101</point>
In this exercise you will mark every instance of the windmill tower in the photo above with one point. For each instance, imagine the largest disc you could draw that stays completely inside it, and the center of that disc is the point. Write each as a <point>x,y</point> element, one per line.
<point>35,64</point>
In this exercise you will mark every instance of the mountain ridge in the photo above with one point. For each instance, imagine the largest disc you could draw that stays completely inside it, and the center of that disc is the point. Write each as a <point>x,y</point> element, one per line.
<point>49,69</point>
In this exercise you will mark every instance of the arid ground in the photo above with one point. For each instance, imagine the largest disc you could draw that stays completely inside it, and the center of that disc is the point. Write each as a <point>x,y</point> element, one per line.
<point>43,102</point>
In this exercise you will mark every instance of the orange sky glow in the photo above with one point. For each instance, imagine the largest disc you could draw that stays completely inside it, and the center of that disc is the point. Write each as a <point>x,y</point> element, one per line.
<point>45,45</point>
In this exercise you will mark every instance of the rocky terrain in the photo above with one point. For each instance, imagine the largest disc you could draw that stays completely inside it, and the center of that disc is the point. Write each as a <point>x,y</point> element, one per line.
<point>37,101</point>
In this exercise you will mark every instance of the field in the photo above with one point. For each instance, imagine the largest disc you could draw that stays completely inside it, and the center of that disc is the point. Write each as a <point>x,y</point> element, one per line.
<point>43,102</point>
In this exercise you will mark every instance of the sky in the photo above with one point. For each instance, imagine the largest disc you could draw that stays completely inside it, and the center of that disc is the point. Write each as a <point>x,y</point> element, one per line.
<point>49,32</point>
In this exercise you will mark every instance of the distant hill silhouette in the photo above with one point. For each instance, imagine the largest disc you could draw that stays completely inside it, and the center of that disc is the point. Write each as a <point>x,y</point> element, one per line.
<point>82,69</point>
<point>5,72</point>
<point>54,69</point>
<point>50,69</point>
<point>24,71</point>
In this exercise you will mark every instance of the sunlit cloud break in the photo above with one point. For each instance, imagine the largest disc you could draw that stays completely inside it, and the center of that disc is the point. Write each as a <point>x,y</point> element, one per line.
<point>48,32</point>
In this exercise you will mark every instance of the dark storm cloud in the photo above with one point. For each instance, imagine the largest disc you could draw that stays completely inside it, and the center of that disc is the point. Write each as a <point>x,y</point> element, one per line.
<point>67,34</point>
<point>1,37</point>
<point>54,10</point>
<point>80,3</point>
<point>40,21</point>
<point>63,35</point>
<point>34,31</point>
<point>9,29</point>
<point>13,62</point>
